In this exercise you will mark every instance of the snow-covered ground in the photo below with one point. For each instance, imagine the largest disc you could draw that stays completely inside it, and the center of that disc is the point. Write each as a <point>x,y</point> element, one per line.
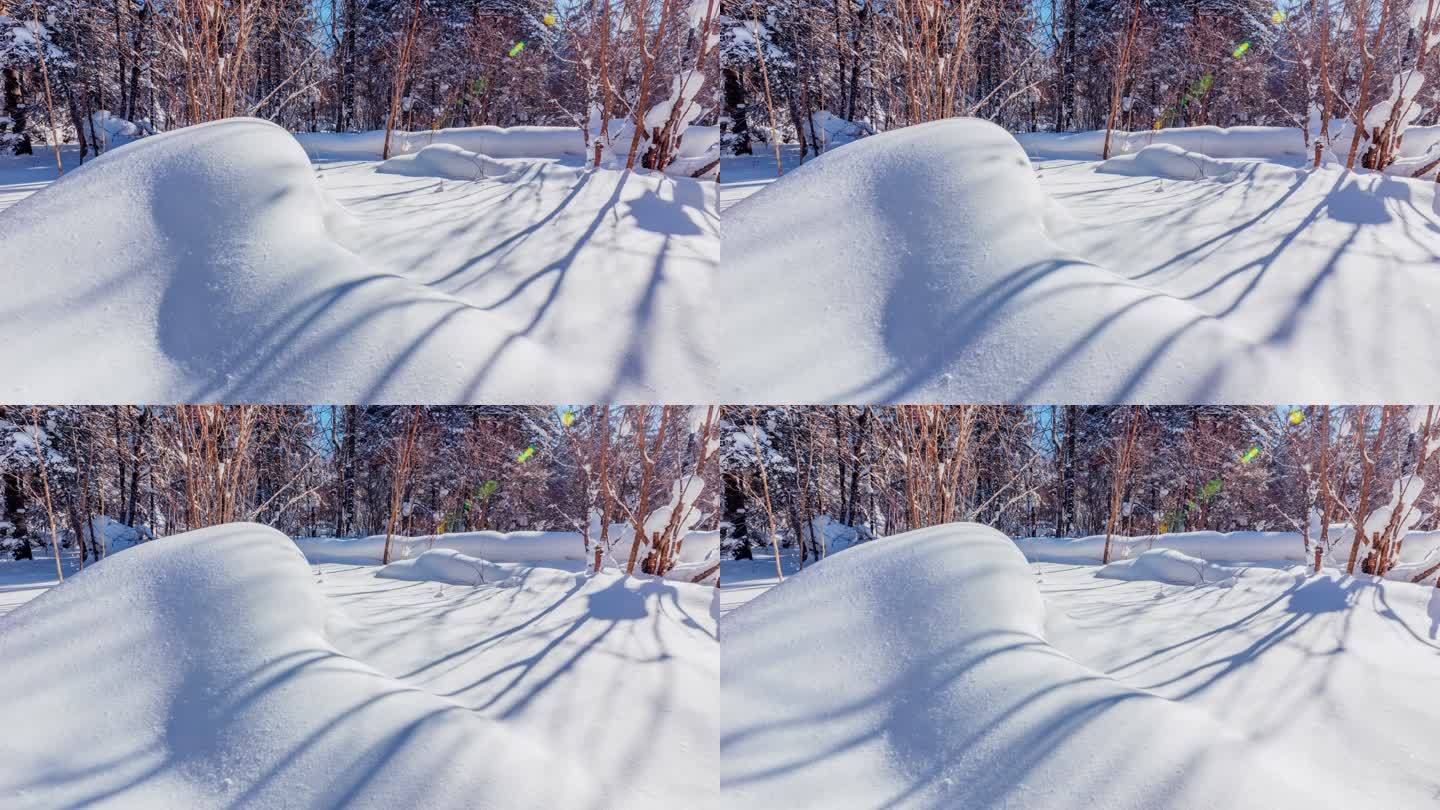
<point>939,669</point>
<point>920,264</point>
<point>221,669</point>
<point>223,262</point>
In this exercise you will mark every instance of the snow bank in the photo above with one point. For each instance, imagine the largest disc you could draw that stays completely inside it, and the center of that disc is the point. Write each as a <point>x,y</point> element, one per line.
<point>1282,144</point>
<point>220,689</point>
<point>1213,546</point>
<point>917,265</point>
<point>451,162</point>
<point>489,546</point>
<point>924,680</point>
<point>201,265</point>
<point>1173,162</point>
<point>451,567</point>
<point>698,147</point>
<point>1167,565</point>
<point>496,142</point>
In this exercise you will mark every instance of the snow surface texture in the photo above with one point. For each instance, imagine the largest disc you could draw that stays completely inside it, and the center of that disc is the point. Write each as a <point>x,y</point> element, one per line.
<point>209,263</point>
<point>1328,671</point>
<point>230,695</point>
<point>926,681</point>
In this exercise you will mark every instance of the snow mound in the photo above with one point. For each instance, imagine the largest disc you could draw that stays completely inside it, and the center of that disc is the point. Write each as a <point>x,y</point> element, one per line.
<point>1167,565</point>
<point>219,689</point>
<point>451,162</point>
<point>916,265</point>
<point>201,265</point>
<point>1170,161</point>
<point>922,679</point>
<point>445,565</point>
<point>453,568</point>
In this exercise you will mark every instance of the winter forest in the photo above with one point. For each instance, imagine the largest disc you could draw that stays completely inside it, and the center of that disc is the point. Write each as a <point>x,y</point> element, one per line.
<point>1004,602</point>
<point>522,587</point>
<point>414,176</point>
<point>1206,183</point>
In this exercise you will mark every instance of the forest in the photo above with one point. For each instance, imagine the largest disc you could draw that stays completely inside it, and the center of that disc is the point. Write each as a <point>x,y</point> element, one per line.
<point>1074,471</point>
<point>1068,65</point>
<point>90,72</point>
<point>143,472</point>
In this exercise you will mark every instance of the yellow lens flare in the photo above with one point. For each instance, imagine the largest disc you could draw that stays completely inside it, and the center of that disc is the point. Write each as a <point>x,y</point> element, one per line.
<point>1278,17</point>
<point>1297,416</point>
<point>515,51</point>
<point>1250,455</point>
<point>525,455</point>
<point>548,19</point>
<point>1240,50</point>
<point>567,418</point>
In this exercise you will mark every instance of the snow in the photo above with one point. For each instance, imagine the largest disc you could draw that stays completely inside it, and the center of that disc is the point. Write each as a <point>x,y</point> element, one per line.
<point>451,162</point>
<point>928,680</point>
<point>916,265</point>
<point>218,669</point>
<point>1243,546</point>
<point>1170,161</point>
<point>1325,671</point>
<point>217,263</point>
<point>1167,565</point>
<point>451,567</point>
<point>1273,143</point>
<point>491,546</point>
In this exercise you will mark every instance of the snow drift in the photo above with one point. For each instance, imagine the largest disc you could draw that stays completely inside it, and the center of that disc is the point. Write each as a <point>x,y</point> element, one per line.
<point>918,265</point>
<point>926,681</point>
<point>1281,144</point>
<point>451,162</point>
<point>1418,550</point>
<point>698,147</point>
<point>219,689</point>
<point>201,265</point>
<point>491,546</point>
<point>453,568</point>
<point>1170,161</point>
<point>1250,546</point>
<point>1167,565</point>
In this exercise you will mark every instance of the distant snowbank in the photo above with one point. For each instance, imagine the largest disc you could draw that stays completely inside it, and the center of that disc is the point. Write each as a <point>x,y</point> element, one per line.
<point>1167,565</point>
<point>454,163</point>
<point>489,546</point>
<point>1173,162</point>
<point>1284,144</point>
<point>1418,551</point>
<point>451,567</point>
<point>923,679</point>
<point>699,550</point>
<point>211,683</point>
<point>699,146</point>
<point>1213,546</point>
